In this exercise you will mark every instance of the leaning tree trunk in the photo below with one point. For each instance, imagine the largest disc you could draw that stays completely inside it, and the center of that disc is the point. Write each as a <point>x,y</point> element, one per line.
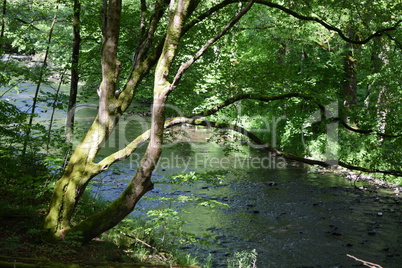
<point>141,182</point>
<point>81,167</point>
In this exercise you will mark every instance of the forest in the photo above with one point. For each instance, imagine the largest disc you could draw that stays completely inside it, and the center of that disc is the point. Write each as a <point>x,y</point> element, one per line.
<point>118,118</point>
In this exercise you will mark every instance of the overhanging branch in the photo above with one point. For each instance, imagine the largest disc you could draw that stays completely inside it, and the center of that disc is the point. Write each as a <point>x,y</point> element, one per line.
<point>261,144</point>
<point>367,131</point>
<point>328,26</point>
<point>130,148</point>
<point>232,100</point>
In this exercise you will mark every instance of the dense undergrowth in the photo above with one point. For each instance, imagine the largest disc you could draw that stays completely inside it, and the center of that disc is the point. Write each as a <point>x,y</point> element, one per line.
<point>24,194</point>
<point>156,239</point>
<point>27,178</point>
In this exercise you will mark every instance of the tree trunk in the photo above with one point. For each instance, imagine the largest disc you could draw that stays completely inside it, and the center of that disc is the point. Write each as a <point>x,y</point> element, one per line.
<point>3,21</point>
<point>141,182</point>
<point>54,106</point>
<point>74,71</point>
<point>81,167</point>
<point>380,59</point>
<point>79,170</point>
<point>349,85</point>
<point>40,79</point>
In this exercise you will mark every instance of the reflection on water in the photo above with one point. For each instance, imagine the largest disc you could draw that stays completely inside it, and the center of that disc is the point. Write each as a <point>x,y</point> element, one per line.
<point>292,218</point>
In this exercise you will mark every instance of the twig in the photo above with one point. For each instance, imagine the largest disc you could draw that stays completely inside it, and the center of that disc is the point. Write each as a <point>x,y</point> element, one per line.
<point>142,242</point>
<point>366,263</point>
<point>146,244</point>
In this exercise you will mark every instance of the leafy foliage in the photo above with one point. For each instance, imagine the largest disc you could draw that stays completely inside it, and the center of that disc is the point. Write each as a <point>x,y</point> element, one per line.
<point>318,49</point>
<point>243,259</point>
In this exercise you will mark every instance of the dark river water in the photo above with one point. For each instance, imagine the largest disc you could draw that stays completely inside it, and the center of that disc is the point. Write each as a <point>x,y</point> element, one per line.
<point>291,216</point>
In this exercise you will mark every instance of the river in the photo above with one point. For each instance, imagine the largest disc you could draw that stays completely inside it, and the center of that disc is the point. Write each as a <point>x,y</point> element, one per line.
<point>292,216</point>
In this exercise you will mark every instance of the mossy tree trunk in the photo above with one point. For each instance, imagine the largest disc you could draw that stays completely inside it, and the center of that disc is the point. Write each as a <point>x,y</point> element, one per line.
<point>153,49</point>
<point>82,167</point>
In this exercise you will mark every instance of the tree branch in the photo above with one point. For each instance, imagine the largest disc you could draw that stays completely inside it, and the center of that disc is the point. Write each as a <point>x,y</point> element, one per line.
<point>258,143</point>
<point>365,263</point>
<point>147,37</point>
<point>123,153</point>
<point>206,14</point>
<point>204,48</point>
<point>232,100</point>
<point>130,148</point>
<point>328,26</point>
<point>263,145</point>
<point>367,131</point>
<point>256,97</point>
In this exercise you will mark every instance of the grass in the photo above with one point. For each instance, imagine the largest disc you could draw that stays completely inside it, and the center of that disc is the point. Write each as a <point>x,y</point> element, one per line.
<point>21,243</point>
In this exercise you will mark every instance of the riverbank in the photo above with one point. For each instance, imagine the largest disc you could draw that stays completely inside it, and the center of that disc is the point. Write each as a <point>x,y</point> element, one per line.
<point>21,245</point>
<point>370,182</point>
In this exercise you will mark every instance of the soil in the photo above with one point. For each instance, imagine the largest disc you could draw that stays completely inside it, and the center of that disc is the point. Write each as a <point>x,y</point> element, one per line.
<point>21,246</point>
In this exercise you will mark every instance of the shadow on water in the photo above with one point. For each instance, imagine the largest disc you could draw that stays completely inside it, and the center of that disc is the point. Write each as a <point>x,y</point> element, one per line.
<point>292,218</point>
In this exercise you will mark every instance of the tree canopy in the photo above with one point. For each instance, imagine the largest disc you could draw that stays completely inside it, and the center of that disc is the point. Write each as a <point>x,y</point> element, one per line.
<point>313,81</point>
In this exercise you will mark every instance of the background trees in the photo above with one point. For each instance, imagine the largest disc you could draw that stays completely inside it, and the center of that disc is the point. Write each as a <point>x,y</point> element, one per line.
<point>332,67</point>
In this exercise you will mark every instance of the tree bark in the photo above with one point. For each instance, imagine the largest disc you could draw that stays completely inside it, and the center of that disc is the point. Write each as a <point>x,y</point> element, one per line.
<point>349,84</point>
<point>74,71</point>
<point>40,79</point>
<point>3,21</point>
<point>141,182</point>
<point>81,167</point>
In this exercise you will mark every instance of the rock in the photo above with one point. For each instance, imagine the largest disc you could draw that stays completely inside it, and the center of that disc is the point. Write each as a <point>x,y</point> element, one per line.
<point>373,232</point>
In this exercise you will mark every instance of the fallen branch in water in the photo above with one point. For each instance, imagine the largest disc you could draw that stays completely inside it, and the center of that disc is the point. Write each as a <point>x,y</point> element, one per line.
<point>366,263</point>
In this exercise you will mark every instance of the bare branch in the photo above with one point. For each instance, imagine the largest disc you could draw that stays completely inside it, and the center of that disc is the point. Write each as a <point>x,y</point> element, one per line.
<point>143,17</point>
<point>123,153</point>
<point>206,14</point>
<point>365,263</point>
<point>147,37</point>
<point>141,139</point>
<point>232,100</point>
<point>296,15</point>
